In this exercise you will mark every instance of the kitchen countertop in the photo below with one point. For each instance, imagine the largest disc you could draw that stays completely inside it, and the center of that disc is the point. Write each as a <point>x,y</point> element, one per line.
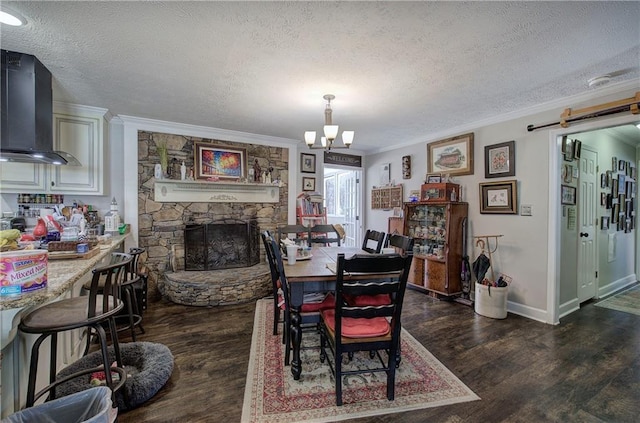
<point>61,275</point>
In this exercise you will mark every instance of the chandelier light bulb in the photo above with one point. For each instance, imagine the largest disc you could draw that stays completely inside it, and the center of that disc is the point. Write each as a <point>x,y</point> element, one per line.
<point>347,137</point>
<point>331,132</point>
<point>310,137</point>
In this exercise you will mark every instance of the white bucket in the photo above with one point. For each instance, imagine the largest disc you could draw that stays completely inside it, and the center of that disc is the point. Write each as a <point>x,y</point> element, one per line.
<point>491,301</point>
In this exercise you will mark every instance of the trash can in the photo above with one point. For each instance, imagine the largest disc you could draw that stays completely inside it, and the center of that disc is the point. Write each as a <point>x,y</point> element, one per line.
<point>90,406</point>
<point>491,301</point>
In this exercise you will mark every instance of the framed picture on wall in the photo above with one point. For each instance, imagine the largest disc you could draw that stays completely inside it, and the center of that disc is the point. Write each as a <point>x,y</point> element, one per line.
<point>308,184</point>
<point>499,160</point>
<point>307,163</point>
<point>499,197</point>
<point>406,167</point>
<point>219,162</point>
<point>385,174</point>
<point>567,148</point>
<point>452,155</point>
<point>568,195</point>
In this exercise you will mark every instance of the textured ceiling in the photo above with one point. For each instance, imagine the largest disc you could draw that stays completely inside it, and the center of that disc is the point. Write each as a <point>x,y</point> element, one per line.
<point>401,72</point>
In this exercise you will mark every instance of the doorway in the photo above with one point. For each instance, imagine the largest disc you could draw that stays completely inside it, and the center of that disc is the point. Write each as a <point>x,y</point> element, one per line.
<point>587,215</point>
<point>615,248</point>
<point>342,196</point>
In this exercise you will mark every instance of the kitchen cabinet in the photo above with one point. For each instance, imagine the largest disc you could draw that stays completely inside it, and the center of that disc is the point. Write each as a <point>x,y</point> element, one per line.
<point>436,228</point>
<point>78,130</point>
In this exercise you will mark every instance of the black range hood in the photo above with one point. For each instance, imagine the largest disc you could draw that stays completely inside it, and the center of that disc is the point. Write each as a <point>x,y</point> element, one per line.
<point>27,112</point>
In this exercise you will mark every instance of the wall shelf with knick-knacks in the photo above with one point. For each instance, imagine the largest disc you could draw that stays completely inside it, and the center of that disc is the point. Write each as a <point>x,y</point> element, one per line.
<point>176,191</point>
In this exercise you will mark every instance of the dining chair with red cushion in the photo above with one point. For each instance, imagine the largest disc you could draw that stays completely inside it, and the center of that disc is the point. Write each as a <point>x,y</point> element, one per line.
<point>352,328</point>
<point>309,312</point>
<point>278,302</point>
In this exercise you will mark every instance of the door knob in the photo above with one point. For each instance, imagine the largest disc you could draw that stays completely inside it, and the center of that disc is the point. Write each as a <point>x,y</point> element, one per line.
<point>583,234</point>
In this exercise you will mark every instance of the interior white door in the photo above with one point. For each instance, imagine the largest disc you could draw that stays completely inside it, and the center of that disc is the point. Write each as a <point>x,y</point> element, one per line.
<point>342,199</point>
<point>587,207</point>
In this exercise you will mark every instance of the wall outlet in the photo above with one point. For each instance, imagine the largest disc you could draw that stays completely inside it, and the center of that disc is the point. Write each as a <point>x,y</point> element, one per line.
<point>525,210</point>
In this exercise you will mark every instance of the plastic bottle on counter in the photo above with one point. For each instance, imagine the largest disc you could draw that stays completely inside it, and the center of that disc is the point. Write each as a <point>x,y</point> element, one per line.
<point>112,219</point>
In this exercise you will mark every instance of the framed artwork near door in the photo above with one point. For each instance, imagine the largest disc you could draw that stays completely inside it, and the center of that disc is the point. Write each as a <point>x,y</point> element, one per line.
<point>567,148</point>
<point>567,173</point>
<point>308,184</point>
<point>499,160</point>
<point>568,195</point>
<point>499,197</point>
<point>307,163</point>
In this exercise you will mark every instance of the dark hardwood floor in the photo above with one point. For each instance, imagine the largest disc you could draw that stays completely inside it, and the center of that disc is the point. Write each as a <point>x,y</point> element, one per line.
<point>586,369</point>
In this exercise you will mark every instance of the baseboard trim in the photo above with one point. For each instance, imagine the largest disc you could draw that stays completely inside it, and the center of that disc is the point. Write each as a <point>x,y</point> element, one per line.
<point>569,307</point>
<point>615,286</point>
<point>528,312</point>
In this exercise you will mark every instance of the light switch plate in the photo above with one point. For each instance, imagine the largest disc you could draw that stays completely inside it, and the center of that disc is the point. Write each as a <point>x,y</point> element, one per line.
<point>525,210</point>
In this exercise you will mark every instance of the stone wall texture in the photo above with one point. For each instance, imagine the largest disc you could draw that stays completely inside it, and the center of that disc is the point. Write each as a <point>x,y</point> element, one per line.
<point>161,225</point>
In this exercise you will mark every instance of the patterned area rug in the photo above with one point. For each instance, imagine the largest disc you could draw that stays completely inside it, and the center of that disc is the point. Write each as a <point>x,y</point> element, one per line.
<point>271,394</point>
<point>627,301</point>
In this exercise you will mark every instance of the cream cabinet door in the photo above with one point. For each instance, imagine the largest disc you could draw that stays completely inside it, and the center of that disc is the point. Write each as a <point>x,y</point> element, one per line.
<point>82,136</point>
<point>22,177</point>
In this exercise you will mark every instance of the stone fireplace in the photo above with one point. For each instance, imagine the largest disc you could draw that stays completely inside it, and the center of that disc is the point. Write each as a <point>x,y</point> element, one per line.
<point>222,245</point>
<point>167,206</point>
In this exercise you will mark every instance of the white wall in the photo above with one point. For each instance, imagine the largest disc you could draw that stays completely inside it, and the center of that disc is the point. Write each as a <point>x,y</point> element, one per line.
<point>529,250</point>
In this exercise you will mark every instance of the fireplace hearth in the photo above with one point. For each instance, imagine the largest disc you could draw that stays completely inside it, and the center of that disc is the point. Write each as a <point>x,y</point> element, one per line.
<point>221,245</point>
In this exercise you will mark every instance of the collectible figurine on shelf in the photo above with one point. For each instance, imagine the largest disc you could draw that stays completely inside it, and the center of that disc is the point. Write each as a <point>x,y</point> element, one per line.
<point>257,171</point>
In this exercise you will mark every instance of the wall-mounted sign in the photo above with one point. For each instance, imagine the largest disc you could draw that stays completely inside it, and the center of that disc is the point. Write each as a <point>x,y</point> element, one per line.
<point>342,159</point>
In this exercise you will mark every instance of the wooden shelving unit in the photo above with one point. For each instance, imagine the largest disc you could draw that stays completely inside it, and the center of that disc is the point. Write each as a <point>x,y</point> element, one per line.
<point>310,209</point>
<point>436,228</point>
<point>386,197</point>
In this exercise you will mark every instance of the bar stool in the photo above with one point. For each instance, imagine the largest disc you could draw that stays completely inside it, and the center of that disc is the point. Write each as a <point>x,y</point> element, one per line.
<point>140,269</point>
<point>91,312</point>
<point>130,283</point>
<point>135,282</point>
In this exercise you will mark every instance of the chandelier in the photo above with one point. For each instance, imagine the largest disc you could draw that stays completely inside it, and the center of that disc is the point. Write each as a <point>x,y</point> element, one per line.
<point>330,131</point>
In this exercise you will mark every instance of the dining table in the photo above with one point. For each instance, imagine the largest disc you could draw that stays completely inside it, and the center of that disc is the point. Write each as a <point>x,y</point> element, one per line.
<point>317,273</point>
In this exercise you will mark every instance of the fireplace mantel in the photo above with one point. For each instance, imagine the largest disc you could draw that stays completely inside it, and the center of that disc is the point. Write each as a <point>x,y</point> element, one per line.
<point>173,191</point>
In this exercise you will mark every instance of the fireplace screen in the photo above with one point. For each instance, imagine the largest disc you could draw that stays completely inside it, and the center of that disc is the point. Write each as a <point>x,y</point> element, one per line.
<point>215,246</point>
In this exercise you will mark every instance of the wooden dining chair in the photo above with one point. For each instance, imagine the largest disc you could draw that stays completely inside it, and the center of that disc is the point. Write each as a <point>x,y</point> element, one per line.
<point>275,282</point>
<point>402,243</point>
<point>296,233</point>
<point>324,234</point>
<point>349,329</point>
<point>373,241</point>
<point>309,312</point>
